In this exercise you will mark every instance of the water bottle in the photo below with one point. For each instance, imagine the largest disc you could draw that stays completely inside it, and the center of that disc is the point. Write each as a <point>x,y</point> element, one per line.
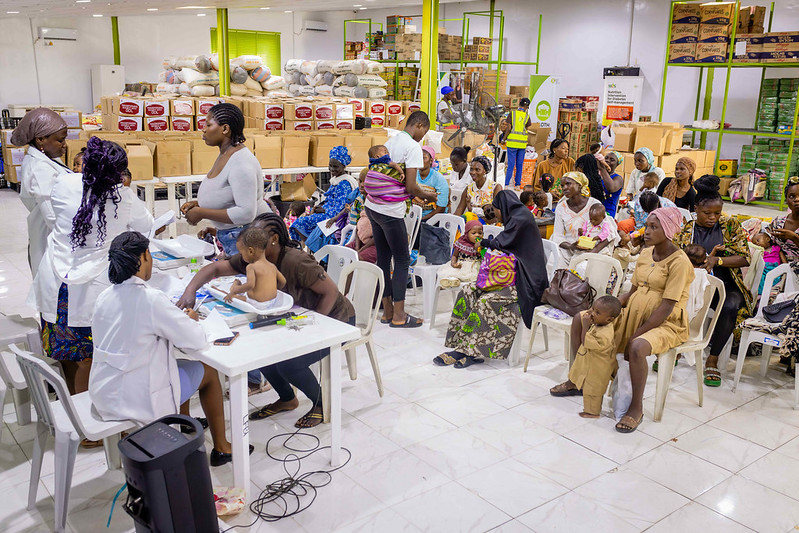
<point>193,266</point>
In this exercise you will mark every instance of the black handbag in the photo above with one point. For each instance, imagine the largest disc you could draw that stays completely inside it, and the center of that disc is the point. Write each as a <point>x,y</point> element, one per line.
<point>434,244</point>
<point>776,313</point>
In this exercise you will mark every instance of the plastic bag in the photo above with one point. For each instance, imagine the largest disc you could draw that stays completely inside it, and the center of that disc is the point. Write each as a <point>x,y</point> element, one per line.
<point>274,83</point>
<point>261,74</point>
<point>229,500</point>
<point>192,77</point>
<point>202,63</point>
<point>324,90</point>
<point>622,389</point>
<point>184,89</point>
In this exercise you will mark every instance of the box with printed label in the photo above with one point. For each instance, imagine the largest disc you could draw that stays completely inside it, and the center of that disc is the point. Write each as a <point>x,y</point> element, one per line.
<point>202,156</point>
<point>714,33</point>
<point>393,108</point>
<point>205,104</point>
<point>727,167</point>
<point>72,118</point>
<point>117,123</point>
<point>684,33</point>
<point>200,122</point>
<point>268,150</point>
<point>299,125</point>
<point>345,111</point>
<point>375,107</point>
<point>716,13</point>
<point>781,37</point>
<point>410,107</point>
<point>172,158</point>
<point>298,111</point>
<point>324,111</point>
<point>686,14</point>
<point>181,123</point>
<point>682,53</point>
<point>270,124</point>
<point>345,124</point>
<point>359,104</point>
<point>182,106</point>
<point>129,107</point>
<point>378,121</point>
<point>17,154</point>
<point>295,151</point>
<point>156,124</point>
<point>327,124</point>
<point>156,108</point>
<point>711,52</point>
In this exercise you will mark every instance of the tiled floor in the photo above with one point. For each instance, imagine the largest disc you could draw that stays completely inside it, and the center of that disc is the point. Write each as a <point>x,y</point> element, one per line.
<point>480,449</point>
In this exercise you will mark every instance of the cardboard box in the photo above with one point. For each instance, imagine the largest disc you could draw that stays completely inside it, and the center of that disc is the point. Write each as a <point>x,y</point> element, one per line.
<point>710,161</point>
<point>74,119</point>
<point>117,123</point>
<point>345,111</point>
<point>73,147</point>
<point>684,33</point>
<point>298,111</point>
<point>346,124</point>
<point>724,185</point>
<point>272,124</point>
<point>686,14</point>
<point>205,104</point>
<point>378,121</point>
<point>781,37</point>
<point>182,106</point>
<point>675,134</point>
<point>727,167</point>
<point>716,13</point>
<point>12,173</point>
<point>393,108</point>
<point>129,107</point>
<point>299,125</point>
<point>202,156</point>
<point>156,123</point>
<point>296,150</point>
<point>140,160</point>
<point>652,137</point>
<point>156,108</point>
<point>713,33</point>
<point>682,53</point>
<point>13,156</point>
<point>537,136</point>
<point>522,91</point>
<point>359,103</point>
<point>711,52</point>
<point>320,148</point>
<point>297,191</point>
<point>180,123</point>
<point>327,124</point>
<point>625,138</point>
<point>375,107</point>
<point>172,158</point>
<point>668,162</point>
<point>269,150</point>
<point>324,111</point>
<point>358,148</point>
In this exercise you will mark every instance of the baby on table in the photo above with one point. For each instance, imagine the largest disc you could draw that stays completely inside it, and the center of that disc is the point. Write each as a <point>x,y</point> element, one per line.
<point>260,288</point>
<point>595,362</point>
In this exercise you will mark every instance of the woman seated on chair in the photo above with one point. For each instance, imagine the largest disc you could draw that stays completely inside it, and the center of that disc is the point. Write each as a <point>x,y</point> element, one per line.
<point>484,323</point>
<point>784,230</point>
<point>654,319</point>
<point>312,289</point>
<point>135,375</point>
<point>725,236</point>
<point>480,192</point>
<point>572,212</point>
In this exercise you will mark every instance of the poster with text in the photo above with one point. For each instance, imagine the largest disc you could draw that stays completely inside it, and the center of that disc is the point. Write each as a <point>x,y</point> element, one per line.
<point>621,98</point>
<point>544,91</point>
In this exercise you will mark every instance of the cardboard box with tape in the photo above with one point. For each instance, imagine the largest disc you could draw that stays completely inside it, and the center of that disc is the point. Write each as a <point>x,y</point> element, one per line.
<point>140,159</point>
<point>297,191</point>
<point>296,149</point>
<point>269,150</point>
<point>172,158</point>
<point>652,137</point>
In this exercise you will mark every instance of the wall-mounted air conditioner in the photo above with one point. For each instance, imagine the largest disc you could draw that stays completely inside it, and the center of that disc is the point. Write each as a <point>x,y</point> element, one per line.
<point>314,25</point>
<point>58,34</point>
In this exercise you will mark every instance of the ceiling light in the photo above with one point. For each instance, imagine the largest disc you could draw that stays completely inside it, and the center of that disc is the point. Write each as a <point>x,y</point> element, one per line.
<point>195,7</point>
<point>357,5</point>
<point>200,14</point>
<point>82,1</point>
<point>363,8</point>
<point>12,12</point>
<point>97,15</point>
<point>265,8</point>
<point>288,11</point>
<point>152,9</point>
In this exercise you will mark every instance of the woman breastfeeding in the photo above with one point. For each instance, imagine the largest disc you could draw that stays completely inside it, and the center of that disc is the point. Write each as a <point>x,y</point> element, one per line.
<point>90,210</point>
<point>135,375</point>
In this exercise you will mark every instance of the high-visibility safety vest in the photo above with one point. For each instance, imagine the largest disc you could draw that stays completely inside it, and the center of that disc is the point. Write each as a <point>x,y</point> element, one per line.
<point>517,138</point>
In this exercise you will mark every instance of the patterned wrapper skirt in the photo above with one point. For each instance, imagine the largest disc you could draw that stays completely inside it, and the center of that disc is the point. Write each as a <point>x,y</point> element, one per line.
<point>62,342</point>
<point>484,323</point>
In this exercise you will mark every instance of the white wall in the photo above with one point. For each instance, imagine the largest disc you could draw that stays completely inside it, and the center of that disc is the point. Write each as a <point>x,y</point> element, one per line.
<point>579,38</point>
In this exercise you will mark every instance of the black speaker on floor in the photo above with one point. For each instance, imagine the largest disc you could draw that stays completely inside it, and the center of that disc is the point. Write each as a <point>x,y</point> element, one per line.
<point>169,482</point>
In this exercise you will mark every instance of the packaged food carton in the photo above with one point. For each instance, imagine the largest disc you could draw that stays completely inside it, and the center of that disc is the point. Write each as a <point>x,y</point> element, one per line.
<point>296,149</point>
<point>394,107</point>
<point>122,123</point>
<point>358,148</point>
<point>320,147</point>
<point>156,108</point>
<point>711,52</point>
<point>172,158</point>
<point>268,150</point>
<point>271,124</point>
<point>686,14</point>
<point>345,124</point>
<point>684,33</point>
<point>129,107</point>
<point>205,104</point>
<point>625,138</point>
<point>182,106</point>
<point>378,121</point>
<point>300,125</point>
<point>682,53</point>
<point>74,119</point>
<point>716,13</point>
<point>156,123</point>
<point>181,123</point>
<point>200,122</point>
<point>345,111</point>
<point>328,124</point>
<point>375,107</point>
<point>140,159</point>
<point>297,191</point>
<point>325,111</point>
<point>714,33</point>
<point>298,111</point>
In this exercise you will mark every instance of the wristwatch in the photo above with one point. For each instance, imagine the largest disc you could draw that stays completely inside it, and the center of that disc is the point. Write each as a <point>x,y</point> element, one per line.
<point>721,261</point>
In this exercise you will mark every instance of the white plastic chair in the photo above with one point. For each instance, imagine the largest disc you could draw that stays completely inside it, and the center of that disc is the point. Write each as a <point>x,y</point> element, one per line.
<point>698,339</point>
<point>492,231</point>
<point>428,273</point>
<point>345,232</point>
<point>749,336</point>
<point>366,290</point>
<point>16,330</point>
<point>337,258</point>
<point>413,221</point>
<point>686,215</point>
<point>69,419</point>
<point>455,195</point>
<point>600,268</point>
<point>551,251</point>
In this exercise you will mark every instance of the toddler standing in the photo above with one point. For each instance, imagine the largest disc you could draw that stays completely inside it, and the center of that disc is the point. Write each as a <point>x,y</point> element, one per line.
<point>465,263</point>
<point>773,256</point>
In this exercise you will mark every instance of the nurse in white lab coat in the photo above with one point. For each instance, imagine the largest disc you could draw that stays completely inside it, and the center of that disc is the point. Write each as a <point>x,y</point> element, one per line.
<point>44,132</point>
<point>135,375</point>
<point>90,210</point>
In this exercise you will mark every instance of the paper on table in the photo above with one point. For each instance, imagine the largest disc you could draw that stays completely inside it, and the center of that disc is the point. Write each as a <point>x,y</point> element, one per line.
<point>327,232</point>
<point>215,326</point>
<point>160,222</point>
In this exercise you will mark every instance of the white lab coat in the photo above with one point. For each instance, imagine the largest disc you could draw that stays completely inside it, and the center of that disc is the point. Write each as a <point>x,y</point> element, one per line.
<point>134,373</point>
<point>37,177</point>
<point>85,269</point>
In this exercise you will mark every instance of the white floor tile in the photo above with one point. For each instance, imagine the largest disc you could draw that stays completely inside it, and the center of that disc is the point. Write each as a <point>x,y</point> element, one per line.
<point>696,518</point>
<point>565,462</point>
<point>752,505</point>
<point>509,432</point>
<point>385,521</point>
<point>460,406</point>
<point>457,453</point>
<point>407,424</point>
<point>761,430</point>
<point>776,471</point>
<point>720,448</point>
<point>600,436</point>
<point>573,512</point>
<point>338,504</point>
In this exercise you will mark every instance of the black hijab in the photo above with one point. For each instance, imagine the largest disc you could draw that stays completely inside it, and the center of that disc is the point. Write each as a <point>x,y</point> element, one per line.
<point>520,236</point>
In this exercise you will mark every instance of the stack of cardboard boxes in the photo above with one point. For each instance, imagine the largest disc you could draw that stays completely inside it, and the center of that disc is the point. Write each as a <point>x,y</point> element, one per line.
<point>155,114</point>
<point>449,46</point>
<point>394,26</point>
<point>700,33</point>
<point>479,50</point>
<point>665,141</point>
<point>354,48</point>
<point>389,75</point>
<point>751,19</point>
<point>407,80</point>
<point>584,129</point>
<point>493,80</point>
<point>408,44</point>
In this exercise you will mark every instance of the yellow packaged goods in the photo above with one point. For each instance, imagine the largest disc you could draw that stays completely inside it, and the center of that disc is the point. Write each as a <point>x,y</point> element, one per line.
<point>182,106</point>
<point>320,148</point>
<point>684,33</point>
<point>72,118</point>
<point>714,33</point>
<point>299,125</point>
<point>295,151</point>
<point>202,156</point>
<point>117,123</point>
<point>129,107</point>
<point>727,167</point>
<point>625,138</point>
<point>652,137</point>
<point>682,53</point>
<point>358,148</point>
<point>156,108</point>
<point>156,124</point>
<point>172,158</point>
<point>140,160</point>
<point>268,150</point>
<point>178,123</point>
<point>298,111</point>
<point>711,52</point>
<point>716,13</point>
<point>686,13</point>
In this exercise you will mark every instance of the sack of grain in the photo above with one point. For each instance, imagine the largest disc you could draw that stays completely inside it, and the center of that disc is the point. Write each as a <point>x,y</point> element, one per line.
<point>274,83</point>
<point>167,88</point>
<point>313,81</point>
<point>214,61</point>
<point>238,89</point>
<point>324,90</point>
<point>352,66</point>
<point>279,93</point>
<point>252,85</point>
<point>309,68</point>
<point>371,80</point>
<point>192,77</point>
<point>238,75</point>
<point>326,65</point>
<point>185,62</point>
<point>184,89</point>
<point>168,63</point>
<point>373,67</point>
<point>202,63</point>
<point>248,62</point>
<point>203,90</point>
<point>261,74</point>
<point>293,65</point>
<point>376,92</point>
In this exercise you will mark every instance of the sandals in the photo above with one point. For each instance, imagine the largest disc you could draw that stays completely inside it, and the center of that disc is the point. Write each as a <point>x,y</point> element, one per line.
<point>385,321</point>
<point>628,424</point>
<point>712,376</point>
<point>310,419</point>
<point>563,390</point>
<point>655,364</point>
<point>468,361</point>
<point>410,322</point>
<point>444,359</point>
<point>269,410</point>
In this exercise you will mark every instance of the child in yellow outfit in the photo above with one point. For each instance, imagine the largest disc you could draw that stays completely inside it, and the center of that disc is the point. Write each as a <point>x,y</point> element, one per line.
<point>595,362</point>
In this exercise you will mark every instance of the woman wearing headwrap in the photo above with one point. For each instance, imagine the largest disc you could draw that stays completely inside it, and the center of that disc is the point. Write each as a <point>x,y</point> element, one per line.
<point>644,164</point>
<point>481,191</point>
<point>483,323</point>
<point>571,214</point>
<point>783,229</point>
<point>332,204</point>
<point>714,231</point>
<point>612,182</point>
<point>680,188</point>
<point>654,319</point>
<point>44,132</point>
<point>232,193</point>
<point>90,210</point>
<point>135,375</point>
<point>557,164</point>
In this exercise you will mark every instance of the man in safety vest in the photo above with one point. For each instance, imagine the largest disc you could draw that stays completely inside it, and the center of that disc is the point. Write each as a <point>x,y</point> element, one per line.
<point>515,126</point>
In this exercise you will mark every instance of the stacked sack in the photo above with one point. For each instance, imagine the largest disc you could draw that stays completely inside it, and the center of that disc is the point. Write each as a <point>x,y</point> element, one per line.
<point>358,78</point>
<point>199,76</point>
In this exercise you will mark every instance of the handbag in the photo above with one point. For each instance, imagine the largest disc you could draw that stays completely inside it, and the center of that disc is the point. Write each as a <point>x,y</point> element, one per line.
<point>776,313</point>
<point>497,271</point>
<point>569,292</point>
<point>434,244</point>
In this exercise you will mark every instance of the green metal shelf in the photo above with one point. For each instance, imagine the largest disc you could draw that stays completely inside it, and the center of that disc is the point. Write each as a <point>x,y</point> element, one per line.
<point>708,76</point>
